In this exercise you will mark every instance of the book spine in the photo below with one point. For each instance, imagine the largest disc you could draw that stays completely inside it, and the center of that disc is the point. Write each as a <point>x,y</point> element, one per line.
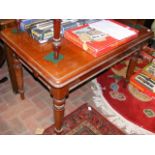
<point>104,51</point>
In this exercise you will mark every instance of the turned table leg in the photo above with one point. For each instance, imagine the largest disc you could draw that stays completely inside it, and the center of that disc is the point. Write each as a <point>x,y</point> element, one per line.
<point>9,56</point>
<point>59,97</point>
<point>19,75</point>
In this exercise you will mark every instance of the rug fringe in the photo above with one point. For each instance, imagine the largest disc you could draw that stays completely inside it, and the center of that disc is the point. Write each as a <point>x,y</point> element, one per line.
<point>112,115</point>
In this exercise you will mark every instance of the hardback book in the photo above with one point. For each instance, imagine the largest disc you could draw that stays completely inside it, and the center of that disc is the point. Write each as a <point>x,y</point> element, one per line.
<point>144,79</point>
<point>25,24</point>
<point>42,31</point>
<point>149,70</point>
<point>42,35</point>
<point>100,37</point>
<point>43,24</point>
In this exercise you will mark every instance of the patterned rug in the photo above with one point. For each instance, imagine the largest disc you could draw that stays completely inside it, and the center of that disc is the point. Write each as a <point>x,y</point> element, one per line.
<point>86,121</point>
<point>126,107</point>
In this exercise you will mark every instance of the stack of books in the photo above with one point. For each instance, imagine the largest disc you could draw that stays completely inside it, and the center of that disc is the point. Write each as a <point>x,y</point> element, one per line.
<point>144,79</point>
<point>100,37</point>
<point>25,24</point>
<point>42,32</point>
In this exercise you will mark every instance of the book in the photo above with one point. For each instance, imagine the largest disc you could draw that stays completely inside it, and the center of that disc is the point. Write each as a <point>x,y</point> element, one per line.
<point>42,31</point>
<point>42,35</point>
<point>144,79</point>
<point>43,25</point>
<point>25,24</point>
<point>149,70</point>
<point>144,83</point>
<point>100,37</point>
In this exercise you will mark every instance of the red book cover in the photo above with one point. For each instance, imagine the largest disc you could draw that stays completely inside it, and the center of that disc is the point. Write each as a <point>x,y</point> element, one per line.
<point>100,37</point>
<point>144,83</point>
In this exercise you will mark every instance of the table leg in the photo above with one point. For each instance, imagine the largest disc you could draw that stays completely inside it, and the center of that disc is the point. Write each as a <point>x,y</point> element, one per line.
<point>132,65</point>
<point>19,75</point>
<point>59,97</point>
<point>9,56</point>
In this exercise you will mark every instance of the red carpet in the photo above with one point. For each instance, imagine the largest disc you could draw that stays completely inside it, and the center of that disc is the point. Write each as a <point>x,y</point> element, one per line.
<point>129,102</point>
<point>86,122</point>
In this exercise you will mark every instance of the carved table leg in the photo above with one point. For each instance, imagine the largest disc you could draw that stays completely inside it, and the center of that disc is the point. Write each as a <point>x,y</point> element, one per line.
<point>9,56</point>
<point>59,97</point>
<point>19,76</point>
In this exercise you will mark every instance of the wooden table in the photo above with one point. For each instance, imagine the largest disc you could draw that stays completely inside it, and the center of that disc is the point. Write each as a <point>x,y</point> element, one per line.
<point>76,67</point>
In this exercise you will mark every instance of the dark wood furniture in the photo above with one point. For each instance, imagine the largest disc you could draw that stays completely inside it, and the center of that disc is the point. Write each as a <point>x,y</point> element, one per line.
<point>76,67</point>
<point>4,23</point>
<point>2,60</point>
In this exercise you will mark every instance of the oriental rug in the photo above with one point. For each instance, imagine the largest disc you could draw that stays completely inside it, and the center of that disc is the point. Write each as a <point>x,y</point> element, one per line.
<point>125,106</point>
<point>86,121</point>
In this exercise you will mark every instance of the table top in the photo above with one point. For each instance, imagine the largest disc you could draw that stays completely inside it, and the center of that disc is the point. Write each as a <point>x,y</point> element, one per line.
<point>76,61</point>
<point>4,23</point>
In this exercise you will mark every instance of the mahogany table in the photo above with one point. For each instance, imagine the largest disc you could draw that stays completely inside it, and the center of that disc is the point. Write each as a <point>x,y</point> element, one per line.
<point>76,67</point>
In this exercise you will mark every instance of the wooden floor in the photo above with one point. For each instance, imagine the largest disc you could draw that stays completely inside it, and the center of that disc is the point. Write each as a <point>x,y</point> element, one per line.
<point>35,113</point>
